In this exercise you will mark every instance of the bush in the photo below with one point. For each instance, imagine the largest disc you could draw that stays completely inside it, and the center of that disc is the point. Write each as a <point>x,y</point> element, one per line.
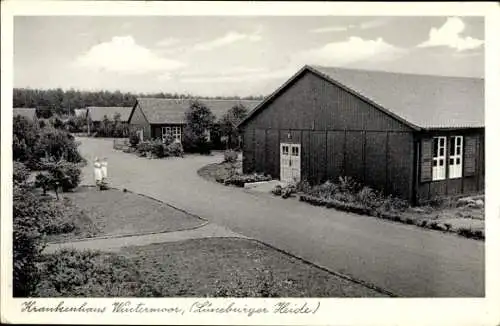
<point>230,156</point>
<point>369,197</point>
<point>447,226</point>
<point>20,174</point>
<point>325,190</point>
<point>133,139</point>
<point>72,273</point>
<point>175,149</point>
<point>62,174</point>
<point>277,190</point>
<point>157,148</point>
<point>348,184</point>
<point>27,241</point>
<point>239,180</point>
<point>143,148</point>
<point>303,186</point>
<point>288,191</point>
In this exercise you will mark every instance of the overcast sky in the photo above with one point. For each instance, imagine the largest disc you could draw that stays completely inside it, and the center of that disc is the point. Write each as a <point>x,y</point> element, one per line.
<point>233,55</point>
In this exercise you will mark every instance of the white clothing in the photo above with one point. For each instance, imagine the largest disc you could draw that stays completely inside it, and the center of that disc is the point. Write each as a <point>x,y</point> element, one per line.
<point>104,169</point>
<point>97,172</point>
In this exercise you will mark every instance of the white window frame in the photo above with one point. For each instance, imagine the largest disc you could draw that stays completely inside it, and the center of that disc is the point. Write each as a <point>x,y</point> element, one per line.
<point>439,158</point>
<point>455,161</point>
<point>174,131</point>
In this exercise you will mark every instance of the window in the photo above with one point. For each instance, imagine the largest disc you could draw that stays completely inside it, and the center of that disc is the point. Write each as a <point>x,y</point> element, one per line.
<point>295,151</point>
<point>455,159</point>
<point>175,132</point>
<point>438,158</point>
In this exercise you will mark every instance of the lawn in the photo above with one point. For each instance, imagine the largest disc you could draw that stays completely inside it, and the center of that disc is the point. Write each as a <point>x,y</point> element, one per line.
<point>113,212</point>
<point>213,267</point>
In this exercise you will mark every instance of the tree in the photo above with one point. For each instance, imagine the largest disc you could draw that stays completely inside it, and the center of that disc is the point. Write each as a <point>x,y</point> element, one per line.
<point>199,121</point>
<point>229,123</point>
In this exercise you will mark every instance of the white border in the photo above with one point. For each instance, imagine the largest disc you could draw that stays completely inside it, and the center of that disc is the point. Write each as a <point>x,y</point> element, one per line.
<point>333,311</point>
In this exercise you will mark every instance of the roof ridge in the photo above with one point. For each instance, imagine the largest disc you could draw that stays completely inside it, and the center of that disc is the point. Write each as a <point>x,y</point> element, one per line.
<point>319,67</point>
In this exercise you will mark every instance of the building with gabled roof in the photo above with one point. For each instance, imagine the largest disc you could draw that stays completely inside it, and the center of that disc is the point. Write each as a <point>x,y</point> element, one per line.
<point>414,136</point>
<point>158,117</point>
<point>28,113</point>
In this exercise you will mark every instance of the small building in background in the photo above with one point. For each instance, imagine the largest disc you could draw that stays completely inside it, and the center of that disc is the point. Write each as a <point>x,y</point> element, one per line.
<point>158,117</point>
<point>28,113</point>
<point>96,116</point>
<point>413,136</point>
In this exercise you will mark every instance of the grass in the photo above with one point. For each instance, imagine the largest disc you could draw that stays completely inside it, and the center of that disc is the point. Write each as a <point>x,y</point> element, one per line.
<point>114,212</point>
<point>236,268</point>
<point>211,267</point>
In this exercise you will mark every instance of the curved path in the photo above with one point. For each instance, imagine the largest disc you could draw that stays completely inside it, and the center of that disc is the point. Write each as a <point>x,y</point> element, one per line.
<point>115,243</point>
<point>402,259</point>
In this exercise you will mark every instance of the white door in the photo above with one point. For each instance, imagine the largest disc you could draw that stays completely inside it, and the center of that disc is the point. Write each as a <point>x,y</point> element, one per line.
<point>290,162</point>
<point>140,133</point>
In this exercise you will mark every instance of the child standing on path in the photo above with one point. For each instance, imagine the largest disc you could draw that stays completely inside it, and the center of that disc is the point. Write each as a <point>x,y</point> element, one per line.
<point>97,172</point>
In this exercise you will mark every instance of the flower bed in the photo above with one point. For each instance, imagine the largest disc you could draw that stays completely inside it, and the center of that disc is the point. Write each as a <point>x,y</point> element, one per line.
<point>349,196</point>
<point>239,180</point>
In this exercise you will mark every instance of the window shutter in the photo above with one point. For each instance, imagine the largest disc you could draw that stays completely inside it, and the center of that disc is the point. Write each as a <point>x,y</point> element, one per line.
<point>426,160</point>
<point>470,155</point>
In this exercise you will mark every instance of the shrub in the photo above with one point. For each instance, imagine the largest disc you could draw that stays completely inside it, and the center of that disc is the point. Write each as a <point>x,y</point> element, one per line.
<point>62,174</point>
<point>143,148</point>
<point>423,223</point>
<point>20,174</point>
<point>325,190</point>
<point>73,273</point>
<point>157,148</point>
<point>277,190</point>
<point>369,197</point>
<point>133,139</point>
<point>447,226</point>
<point>239,180</point>
<point>27,241</point>
<point>303,186</point>
<point>466,232</point>
<point>348,184</point>
<point>409,220</point>
<point>175,149</point>
<point>288,191</point>
<point>230,156</point>
<point>391,203</point>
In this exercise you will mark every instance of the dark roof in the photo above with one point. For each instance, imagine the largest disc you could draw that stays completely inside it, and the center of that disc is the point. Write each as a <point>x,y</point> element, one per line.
<point>420,101</point>
<point>29,113</point>
<point>161,110</point>
<point>97,113</point>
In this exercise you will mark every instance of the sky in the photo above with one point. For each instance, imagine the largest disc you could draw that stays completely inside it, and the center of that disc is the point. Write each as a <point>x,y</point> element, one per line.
<point>233,55</point>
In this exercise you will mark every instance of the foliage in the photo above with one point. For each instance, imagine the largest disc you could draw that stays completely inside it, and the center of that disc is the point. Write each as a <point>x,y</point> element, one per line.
<point>174,149</point>
<point>20,174</point>
<point>239,180</point>
<point>27,241</point>
<point>59,101</point>
<point>73,273</point>
<point>76,124</point>
<point>62,174</point>
<point>157,148</point>
<point>134,139</point>
<point>348,184</point>
<point>229,122</point>
<point>144,147</point>
<point>31,144</point>
<point>230,156</point>
<point>199,121</point>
